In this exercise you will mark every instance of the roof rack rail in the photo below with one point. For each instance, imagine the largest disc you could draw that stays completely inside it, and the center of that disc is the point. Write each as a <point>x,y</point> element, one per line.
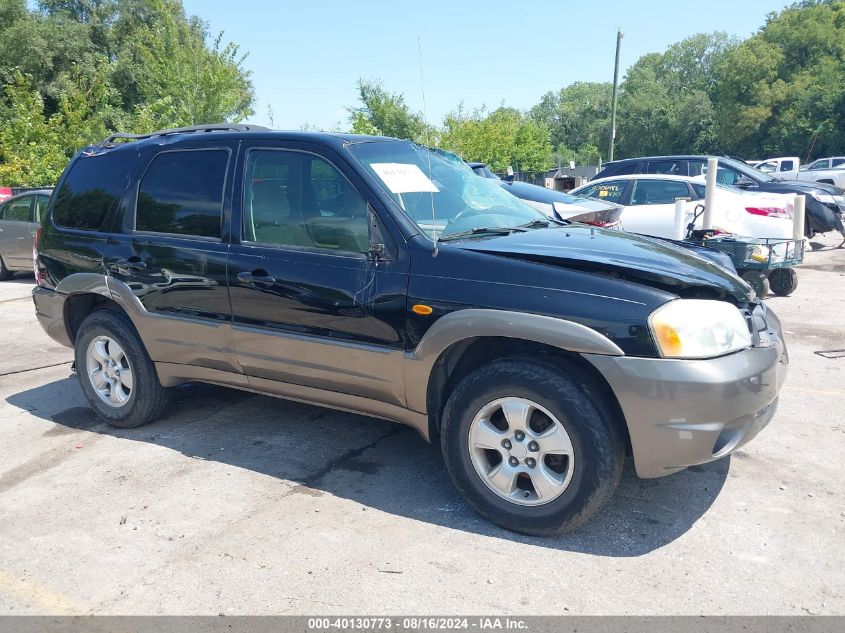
<point>210,127</point>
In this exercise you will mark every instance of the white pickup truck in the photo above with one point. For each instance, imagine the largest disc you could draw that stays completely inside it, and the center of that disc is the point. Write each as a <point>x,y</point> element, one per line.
<point>785,168</point>
<point>829,170</point>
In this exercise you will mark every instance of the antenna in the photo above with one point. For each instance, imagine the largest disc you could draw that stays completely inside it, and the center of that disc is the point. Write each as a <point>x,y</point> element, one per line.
<point>428,148</point>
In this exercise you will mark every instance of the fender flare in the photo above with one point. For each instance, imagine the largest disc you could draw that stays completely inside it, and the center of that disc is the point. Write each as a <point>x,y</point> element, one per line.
<point>84,283</point>
<point>480,323</point>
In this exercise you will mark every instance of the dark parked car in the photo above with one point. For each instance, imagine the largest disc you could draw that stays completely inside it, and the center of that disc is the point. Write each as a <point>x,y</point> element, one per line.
<point>557,204</point>
<point>376,276</point>
<point>825,204</point>
<point>19,218</point>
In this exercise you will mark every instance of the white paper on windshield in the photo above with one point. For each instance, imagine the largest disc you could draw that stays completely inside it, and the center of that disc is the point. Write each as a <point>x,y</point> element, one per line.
<point>403,177</point>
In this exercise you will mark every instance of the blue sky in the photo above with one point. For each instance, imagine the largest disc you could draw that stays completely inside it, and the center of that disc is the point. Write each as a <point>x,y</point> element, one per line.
<point>307,56</point>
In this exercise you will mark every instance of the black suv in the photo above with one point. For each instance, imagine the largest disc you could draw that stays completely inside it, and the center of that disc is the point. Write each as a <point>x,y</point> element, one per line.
<point>374,275</point>
<point>824,203</point>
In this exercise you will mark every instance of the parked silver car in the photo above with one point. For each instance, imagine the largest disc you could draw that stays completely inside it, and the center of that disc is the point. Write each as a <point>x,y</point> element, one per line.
<point>20,217</point>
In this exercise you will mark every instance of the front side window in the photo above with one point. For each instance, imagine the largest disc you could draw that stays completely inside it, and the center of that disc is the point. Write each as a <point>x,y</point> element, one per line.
<point>439,192</point>
<point>182,193</point>
<point>17,210</point>
<point>769,167</point>
<point>658,192</point>
<point>298,199</point>
<point>818,164</point>
<point>610,191</point>
<point>92,189</point>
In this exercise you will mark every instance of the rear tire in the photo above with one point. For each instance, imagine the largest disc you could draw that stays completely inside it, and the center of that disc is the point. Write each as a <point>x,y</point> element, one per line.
<point>116,373</point>
<point>783,281</point>
<point>578,452</point>
<point>5,273</point>
<point>758,281</point>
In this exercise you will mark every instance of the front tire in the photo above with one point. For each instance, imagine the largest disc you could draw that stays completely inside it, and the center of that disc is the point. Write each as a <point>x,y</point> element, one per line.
<point>531,446</point>
<point>116,373</point>
<point>758,281</point>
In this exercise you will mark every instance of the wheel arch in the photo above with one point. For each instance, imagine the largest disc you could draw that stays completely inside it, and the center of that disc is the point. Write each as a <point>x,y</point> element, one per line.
<point>85,292</point>
<point>471,338</point>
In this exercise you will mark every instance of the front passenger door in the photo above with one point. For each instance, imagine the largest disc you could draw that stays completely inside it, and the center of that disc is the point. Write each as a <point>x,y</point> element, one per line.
<point>651,210</point>
<point>310,305</point>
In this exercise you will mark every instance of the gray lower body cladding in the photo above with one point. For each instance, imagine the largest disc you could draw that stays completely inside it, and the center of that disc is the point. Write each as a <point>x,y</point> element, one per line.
<point>678,412</point>
<point>685,412</point>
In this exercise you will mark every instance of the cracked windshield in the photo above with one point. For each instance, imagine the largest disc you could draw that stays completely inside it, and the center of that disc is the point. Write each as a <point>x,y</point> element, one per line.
<point>453,202</point>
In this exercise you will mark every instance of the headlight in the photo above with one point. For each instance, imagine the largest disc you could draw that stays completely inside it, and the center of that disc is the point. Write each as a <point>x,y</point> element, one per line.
<point>698,328</point>
<point>824,198</point>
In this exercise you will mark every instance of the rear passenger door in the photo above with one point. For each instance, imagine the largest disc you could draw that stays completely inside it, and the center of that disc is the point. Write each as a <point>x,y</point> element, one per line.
<point>17,238</point>
<point>171,248</point>
<point>311,307</point>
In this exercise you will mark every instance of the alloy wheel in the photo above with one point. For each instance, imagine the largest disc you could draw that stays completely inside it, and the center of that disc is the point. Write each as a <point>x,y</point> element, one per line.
<point>109,371</point>
<point>521,451</point>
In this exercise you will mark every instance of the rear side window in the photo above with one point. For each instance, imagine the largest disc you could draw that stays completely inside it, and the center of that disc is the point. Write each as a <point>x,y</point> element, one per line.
<point>17,210</point>
<point>836,162</point>
<point>786,165</point>
<point>91,190</point>
<point>182,193</point>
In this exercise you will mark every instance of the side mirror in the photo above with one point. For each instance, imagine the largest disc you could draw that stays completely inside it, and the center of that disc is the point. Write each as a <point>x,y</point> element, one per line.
<point>744,182</point>
<point>380,243</point>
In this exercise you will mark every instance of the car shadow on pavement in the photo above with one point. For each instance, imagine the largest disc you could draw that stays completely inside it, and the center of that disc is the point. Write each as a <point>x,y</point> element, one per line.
<point>23,278</point>
<point>378,464</point>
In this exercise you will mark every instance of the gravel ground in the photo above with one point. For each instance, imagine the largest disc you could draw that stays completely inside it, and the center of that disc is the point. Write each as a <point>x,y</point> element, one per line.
<point>239,504</point>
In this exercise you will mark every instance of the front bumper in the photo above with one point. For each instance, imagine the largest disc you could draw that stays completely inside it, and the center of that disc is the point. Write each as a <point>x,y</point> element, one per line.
<point>685,412</point>
<point>50,310</point>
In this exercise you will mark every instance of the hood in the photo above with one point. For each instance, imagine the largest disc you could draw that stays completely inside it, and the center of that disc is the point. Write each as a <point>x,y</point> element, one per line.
<point>800,186</point>
<point>527,191</point>
<point>649,261</point>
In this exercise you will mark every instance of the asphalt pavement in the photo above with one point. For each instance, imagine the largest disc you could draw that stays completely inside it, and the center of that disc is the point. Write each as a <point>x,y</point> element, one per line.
<point>235,503</point>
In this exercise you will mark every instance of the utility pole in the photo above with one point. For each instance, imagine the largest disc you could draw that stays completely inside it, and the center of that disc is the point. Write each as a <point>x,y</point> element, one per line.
<point>613,99</point>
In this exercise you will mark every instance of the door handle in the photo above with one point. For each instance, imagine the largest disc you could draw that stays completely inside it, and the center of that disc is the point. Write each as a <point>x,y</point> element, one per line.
<point>256,276</point>
<point>128,264</point>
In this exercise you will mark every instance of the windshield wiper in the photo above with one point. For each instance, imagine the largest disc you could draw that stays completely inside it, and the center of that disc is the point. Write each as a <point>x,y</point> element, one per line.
<point>542,224</point>
<point>481,230</point>
<point>535,224</point>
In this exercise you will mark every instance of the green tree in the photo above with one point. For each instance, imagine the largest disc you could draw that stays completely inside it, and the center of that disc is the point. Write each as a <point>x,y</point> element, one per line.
<point>73,71</point>
<point>169,75</point>
<point>578,119</point>
<point>782,91</point>
<point>665,103</point>
<point>502,138</point>
<point>383,113</point>
<point>30,150</point>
